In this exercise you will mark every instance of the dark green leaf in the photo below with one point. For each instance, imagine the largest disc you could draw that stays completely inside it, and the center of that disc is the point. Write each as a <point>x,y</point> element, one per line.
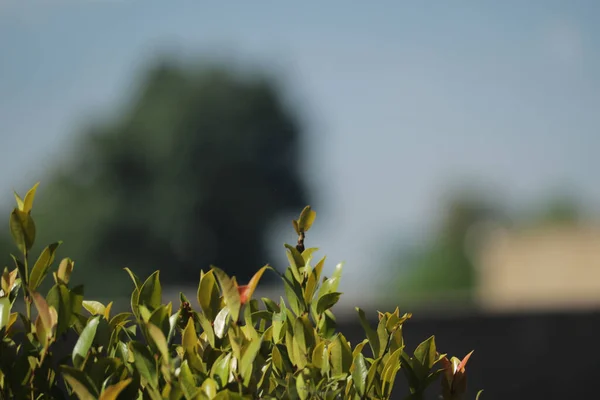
<point>59,297</point>
<point>80,382</point>
<point>371,335</point>
<point>22,229</point>
<point>151,292</point>
<point>145,363</point>
<point>327,301</point>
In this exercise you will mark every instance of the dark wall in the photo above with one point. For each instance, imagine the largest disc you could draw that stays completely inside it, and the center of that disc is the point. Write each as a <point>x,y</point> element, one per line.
<point>517,356</point>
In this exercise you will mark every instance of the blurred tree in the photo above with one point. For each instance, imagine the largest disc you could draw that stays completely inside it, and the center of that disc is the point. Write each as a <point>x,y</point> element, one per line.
<point>202,161</point>
<point>560,209</point>
<point>444,263</point>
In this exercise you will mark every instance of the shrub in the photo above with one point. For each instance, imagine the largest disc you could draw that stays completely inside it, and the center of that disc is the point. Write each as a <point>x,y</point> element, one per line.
<point>231,347</point>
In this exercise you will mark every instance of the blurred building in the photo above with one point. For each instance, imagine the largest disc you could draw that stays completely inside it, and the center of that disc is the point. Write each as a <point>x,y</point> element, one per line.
<point>540,268</point>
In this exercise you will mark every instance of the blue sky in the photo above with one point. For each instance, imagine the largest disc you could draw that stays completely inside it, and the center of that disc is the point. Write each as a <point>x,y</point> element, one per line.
<point>401,100</point>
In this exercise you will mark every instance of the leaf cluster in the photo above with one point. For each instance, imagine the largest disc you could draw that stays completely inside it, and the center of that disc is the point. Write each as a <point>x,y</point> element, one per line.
<point>227,345</point>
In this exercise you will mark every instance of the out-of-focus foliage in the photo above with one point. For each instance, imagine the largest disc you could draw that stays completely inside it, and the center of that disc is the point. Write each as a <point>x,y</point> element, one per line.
<point>444,264</point>
<point>232,347</point>
<point>191,173</point>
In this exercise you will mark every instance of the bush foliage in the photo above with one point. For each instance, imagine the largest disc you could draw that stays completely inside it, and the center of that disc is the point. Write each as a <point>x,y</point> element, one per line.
<point>229,347</point>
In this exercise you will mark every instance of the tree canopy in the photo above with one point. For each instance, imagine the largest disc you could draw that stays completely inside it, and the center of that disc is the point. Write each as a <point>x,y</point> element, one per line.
<point>200,162</point>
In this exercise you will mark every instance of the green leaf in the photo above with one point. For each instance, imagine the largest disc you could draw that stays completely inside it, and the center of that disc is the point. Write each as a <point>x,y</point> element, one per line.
<point>207,328</point>
<point>145,363</point>
<point>59,297</point>
<point>249,353</point>
<point>390,369</point>
<point>189,338</point>
<point>230,293</point>
<point>43,310</point>
<point>371,334</point>
<point>330,285</point>
<point>425,353</point>
<point>296,259</point>
<point>4,312</point>
<point>307,217</point>
<point>112,392</point>
<point>327,301</point>
<point>209,387</point>
<point>302,388</point>
<point>85,342</point>
<point>371,374</point>
<point>359,374</point>
<point>160,318</point>
<point>327,325</point>
<point>134,278</point>
<point>384,336</point>
<point>22,229</point>
<point>65,268</point>
<point>151,292</point>
<point>341,355</point>
<point>220,369</point>
<point>42,265</point>
<point>29,197</point>
<point>160,341</point>
<point>222,322</point>
<point>271,305</point>
<point>172,326</point>
<point>304,334</point>
<point>22,270</point>
<point>94,307</point>
<point>293,291</point>
<point>359,348</point>
<point>208,295</point>
<point>80,382</point>
<point>479,394</point>
<point>19,201</point>
<point>186,380</point>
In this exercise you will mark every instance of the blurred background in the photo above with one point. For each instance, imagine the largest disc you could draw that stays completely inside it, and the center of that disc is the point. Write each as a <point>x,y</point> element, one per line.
<point>450,152</point>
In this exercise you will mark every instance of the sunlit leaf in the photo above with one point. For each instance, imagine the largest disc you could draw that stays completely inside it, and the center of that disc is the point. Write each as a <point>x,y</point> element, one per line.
<point>113,391</point>
<point>80,382</point>
<point>4,311</point>
<point>208,295</point>
<point>160,341</point>
<point>94,307</point>
<point>359,374</point>
<point>425,353</point>
<point>84,343</point>
<point>65,268</point>
<point>42,265</point>
<point>29,197</point>
<point>222,322</point>
<point>230,293</point>
<point>189,338</point>
<point>307,217</point>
